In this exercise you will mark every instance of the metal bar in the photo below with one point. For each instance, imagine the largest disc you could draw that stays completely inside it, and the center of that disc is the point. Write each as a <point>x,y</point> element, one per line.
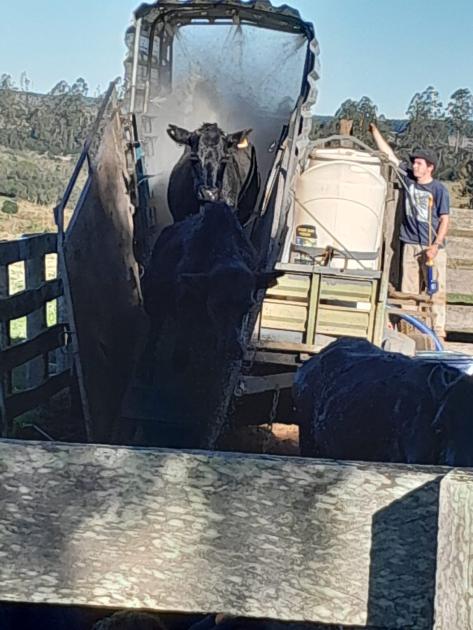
<point>63,274</point>
<point>136,58</point>
<point>284,346</point>
<point>352,274</point>
<point>25,302</point>
<point>27,247</point>
<point>259,384</point>
<point>5,379</point>
<point>59,209</point>
<point>44,342</point>
<point>373,311</point>
<point>37,369</point>
<point>149,68</point>
<point>313,308</point>
<point>260,18</point>
<point>29,399</point>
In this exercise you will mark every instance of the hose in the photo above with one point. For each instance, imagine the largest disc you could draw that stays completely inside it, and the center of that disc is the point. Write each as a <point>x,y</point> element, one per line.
<point>423,328</point>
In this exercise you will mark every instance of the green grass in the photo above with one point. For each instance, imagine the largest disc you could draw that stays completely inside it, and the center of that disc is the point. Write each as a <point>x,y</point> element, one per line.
<point>16,276</point>
<point>460,298</point>
<point>18,326</point>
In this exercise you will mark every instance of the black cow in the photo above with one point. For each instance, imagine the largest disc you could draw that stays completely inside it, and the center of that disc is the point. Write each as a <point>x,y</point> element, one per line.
<point>214,167</point>
<point>203,269</point>
<point>355,401</point>
<point>130,620</point>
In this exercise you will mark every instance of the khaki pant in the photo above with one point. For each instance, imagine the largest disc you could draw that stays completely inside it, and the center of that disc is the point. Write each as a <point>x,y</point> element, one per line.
<point>414,281</point>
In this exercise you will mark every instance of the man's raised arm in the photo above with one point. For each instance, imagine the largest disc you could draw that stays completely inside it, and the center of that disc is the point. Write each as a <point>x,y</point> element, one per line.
<point>382,145</point>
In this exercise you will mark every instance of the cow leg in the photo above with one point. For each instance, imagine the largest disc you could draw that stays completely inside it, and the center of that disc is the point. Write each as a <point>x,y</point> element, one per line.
<point>184,331</point>
<point>148,359</point>
<point>182,341</point>
<point>180,359</point>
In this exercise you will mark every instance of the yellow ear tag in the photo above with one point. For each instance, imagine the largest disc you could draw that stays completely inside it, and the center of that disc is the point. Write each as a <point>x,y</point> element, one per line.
<point>243,144</point>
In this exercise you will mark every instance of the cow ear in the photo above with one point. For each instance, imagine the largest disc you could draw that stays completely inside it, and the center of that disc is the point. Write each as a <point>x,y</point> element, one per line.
<point>267,279</point>
<point>239,139</point>
<point>179,135</point>
<point>196,282</point>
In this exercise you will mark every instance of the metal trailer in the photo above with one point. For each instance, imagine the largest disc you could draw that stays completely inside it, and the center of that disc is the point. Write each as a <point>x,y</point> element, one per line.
<point>292,535</point>
<point>259,67</point>
<point>245,65</point>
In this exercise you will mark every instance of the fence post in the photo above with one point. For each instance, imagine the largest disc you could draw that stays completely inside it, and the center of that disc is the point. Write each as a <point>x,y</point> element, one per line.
<point>4,342</point>
<point>453,596</point>
<point>63,354</point>
<point>37,369</point>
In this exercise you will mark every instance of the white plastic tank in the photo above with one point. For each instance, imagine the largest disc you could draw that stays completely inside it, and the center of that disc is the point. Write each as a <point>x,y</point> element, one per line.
<point>342,194</point>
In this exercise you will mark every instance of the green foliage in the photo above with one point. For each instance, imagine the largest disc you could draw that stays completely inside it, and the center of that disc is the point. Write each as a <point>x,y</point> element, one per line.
<point>429,124</point>
<point>425,106</point>
<point>467,173</point>
<point>432,125</point>
<point>362,113</point>
<point>36,129</point>
<point>56,123</point>
<point>460,110</point>
<point>9,207</point>
<point>41,134</point>
<point>34,177</point>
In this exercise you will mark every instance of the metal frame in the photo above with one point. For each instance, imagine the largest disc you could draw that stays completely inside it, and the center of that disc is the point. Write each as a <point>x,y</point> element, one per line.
<point>84,157</point>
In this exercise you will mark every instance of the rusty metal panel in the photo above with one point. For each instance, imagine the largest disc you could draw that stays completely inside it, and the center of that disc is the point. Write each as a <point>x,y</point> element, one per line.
<point>103,283</point>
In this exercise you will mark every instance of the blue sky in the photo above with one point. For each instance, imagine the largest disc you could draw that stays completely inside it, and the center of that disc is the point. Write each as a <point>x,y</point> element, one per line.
<point>382,49</point>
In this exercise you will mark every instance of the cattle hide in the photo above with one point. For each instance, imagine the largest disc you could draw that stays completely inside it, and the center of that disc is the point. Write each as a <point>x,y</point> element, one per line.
<point>200,285</point>
<point>130,620</point>
<point>354,401</point>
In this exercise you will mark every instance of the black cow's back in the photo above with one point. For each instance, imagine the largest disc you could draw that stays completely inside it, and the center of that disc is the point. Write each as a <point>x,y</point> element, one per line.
<point>355,401</point>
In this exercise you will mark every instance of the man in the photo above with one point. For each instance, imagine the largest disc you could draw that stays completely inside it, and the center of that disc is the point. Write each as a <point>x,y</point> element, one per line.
<point>424,227</point>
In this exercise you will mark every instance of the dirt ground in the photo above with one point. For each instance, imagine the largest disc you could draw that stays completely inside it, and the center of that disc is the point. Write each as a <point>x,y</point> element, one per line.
<point>276,439</point>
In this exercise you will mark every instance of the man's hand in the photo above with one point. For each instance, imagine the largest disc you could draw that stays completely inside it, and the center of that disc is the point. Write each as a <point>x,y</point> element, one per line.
<point>432,251</point>
<point>373,128</point>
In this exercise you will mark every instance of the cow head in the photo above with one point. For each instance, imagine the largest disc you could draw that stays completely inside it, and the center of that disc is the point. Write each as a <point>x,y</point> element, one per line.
<point>210,150</point>
<point>229,292</point>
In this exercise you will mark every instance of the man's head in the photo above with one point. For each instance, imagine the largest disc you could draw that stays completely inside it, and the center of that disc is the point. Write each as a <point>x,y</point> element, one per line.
<point>424,162</point>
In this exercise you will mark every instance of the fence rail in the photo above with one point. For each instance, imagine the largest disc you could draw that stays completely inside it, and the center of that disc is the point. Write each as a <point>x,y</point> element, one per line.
<point>358,544</point>
<point>460,272</point>
<point>32,370</point>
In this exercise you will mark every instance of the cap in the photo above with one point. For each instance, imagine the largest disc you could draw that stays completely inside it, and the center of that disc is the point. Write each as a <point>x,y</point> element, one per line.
<point>425,154</point>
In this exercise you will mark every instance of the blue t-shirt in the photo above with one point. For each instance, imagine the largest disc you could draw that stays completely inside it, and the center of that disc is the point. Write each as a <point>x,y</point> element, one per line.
<point>415,223</point>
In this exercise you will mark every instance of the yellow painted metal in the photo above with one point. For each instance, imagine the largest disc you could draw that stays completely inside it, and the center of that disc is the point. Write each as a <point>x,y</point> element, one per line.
<point>282,315</point>
<point>313,302</point>
<point>291,286</point>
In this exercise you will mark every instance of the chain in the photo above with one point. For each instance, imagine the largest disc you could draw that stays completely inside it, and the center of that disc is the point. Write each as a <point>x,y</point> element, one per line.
<point>272,418</point>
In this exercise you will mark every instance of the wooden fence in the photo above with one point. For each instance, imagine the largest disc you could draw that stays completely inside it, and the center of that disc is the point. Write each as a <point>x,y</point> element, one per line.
<point>36,368</point>
<point>358,544</point>
<point>460,273</point>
